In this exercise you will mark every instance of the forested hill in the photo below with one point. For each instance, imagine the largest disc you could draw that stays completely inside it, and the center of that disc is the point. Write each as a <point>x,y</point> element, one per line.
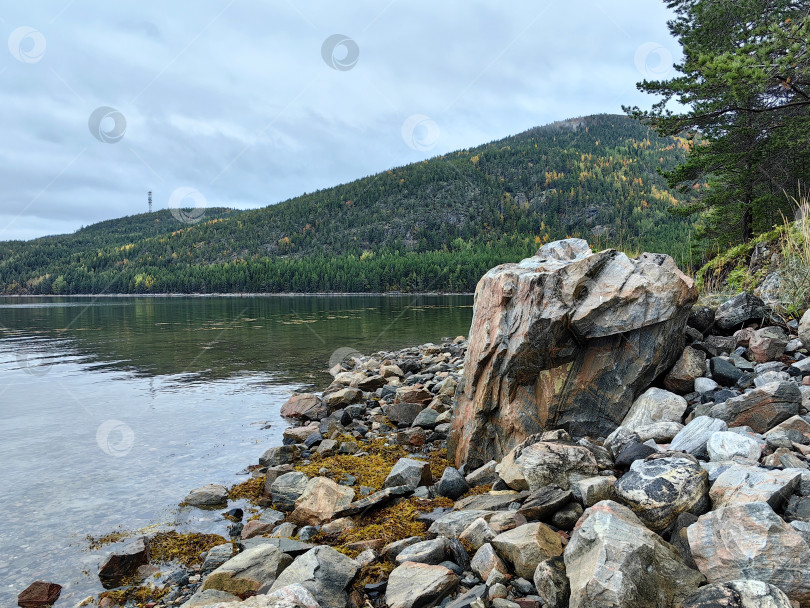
<point>433,225</point>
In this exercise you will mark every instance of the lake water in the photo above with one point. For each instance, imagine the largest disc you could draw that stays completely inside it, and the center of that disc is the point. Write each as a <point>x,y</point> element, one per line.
<point>112,409</point>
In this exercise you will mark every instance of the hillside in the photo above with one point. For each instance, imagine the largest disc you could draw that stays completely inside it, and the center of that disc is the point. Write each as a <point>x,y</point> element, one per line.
<point>432,225</point>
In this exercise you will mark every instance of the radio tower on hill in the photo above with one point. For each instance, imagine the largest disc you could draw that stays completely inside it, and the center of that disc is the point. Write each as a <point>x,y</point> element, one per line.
<point>150,201</point>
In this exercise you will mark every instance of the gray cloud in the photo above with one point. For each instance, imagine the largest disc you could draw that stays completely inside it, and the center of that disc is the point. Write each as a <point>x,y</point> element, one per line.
<point>233,98</point>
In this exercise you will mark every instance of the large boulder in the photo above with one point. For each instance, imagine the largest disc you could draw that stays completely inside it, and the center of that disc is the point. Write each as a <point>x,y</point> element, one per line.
<point>738,594</point>
<point>210,496</point>
<point>694,437</point>
<point>804,328</point>
<point>287,488</point>
<point>249,571</point>
<point>761,408</point>
<point>740,483</point>
<point>304,405</point>
<point>565,339</point>
<point>319,501</point>
<point>409,472</point>
<point>659,490</point>
<point>612,559</point>
<point>526,546</point>
<point>413,585</point>
<point>322,571</point>
<point>727,445</point>
<point>739,309</point>
<point>749,540</point>
<point>536,465</point>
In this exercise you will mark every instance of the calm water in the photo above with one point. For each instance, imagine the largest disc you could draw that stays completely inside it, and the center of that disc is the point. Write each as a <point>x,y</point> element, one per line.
<point>111,410</point>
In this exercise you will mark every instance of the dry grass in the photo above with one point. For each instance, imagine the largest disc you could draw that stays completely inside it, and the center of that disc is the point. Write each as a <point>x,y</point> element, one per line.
<point>794,290</point>
<point>183,548</point>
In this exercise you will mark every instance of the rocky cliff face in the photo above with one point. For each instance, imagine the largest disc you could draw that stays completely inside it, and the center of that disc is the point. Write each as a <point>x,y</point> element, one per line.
<point>565,339</point>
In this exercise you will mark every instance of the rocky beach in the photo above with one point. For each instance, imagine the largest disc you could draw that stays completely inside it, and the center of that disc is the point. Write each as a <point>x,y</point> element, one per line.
<point>597,439</point>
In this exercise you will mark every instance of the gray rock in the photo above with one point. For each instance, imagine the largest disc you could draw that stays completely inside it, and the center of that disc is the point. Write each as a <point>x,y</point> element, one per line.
<point>341,398</point>
<point>431,552</point>
<point>724,372</point>
<point>287,488</point>
<point>283,454</point>
<point>551,582</point>
<point>619,439</point>
<point>750,541</point>
<point>742,483</point>
<point>391,550</point>
<point>738,594</point>
<point>693,438</point>
<point>526,546</point>
<point>691,366</point>
<point>452,524</point>
<point>612,559</point>
<point>248,571</point>
<point>477,533</point>
<point>546,463</point>
<point>567,517</point>
<point>773,376</point>
<point>761,408</point>
<point>409,472</point>
<point>209,598</point>
<point>486,561</point>
<point>804,328</point>
<point>413,585</point>
<point>705,385</point>
<point>483,475</point>
<point>426,418</point>
<point>595,489</point>
<point>655,414</point>
<point>468,599</point>
<point>373,501</point>
<point>739,309</point>
<point>661,489</point>
<point>322,571</point>
<point>679,540</point>
<point>452,484</point>
<point>216,556</point>
<point>545,502</point>
<point>725,445</point>
<point>212,495</point>
<point>768,344</point>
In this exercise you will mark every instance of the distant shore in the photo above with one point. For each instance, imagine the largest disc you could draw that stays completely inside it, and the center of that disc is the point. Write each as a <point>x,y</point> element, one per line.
<point>239,295</point>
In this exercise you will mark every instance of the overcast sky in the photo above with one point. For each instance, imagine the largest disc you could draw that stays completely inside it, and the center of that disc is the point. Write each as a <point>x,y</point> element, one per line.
<point>244,103</point>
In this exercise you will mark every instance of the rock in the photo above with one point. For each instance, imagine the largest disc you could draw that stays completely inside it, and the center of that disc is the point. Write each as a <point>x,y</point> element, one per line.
<point>319,501</point>
<point>612,559</point>
<point>409,472</point>
<point>425,552</point>
<point>804,328</point>
<point>526,546</point>
<point>483,475</point>
<point>546,463</point>
<point>413,394</point>
<point>693,438</point>
<point>749,540</point>
<point>545,502</point>
<point>322,571</point>
<point>341,398</point>
<point>761,408</point>
<point>248,571</point>
<point>255,528</point>
<point>391,371</point>
<point>724,371</point>
<point>124,563</point>
<point>39,594</point>
<point>404,413</point>
<point>596,489</point>
<point>452,524</point>
<point>274,473</point>
<point>701,318</point>
<point>656,414</point>
<point>287,488</point>
<point>633,452</point>
<point>414,585</point>
<point>725,445</point>
<point>304,405</point>
<point>551,582</point>
<point>469,599</point>
<point>600,325</point>
<point>690,367</point>
<point>768,344</point>
<point>485,561</point>
<point>426,418</point>
<point>452,484</point>
<point>372,501</point>
<point>328,447</point>
<point>661,489</point>
<point>370,383</point>
<point>738,594</point>
<point>283,454</point>
<point>705,385</point>
<point>619,439</point>
<point>477,534</point>
<point>217,556</point>
<point>210,598</point>
<point>212,495</point>
<point>741,483</point>
<point>567,517</point>
<point>391,550</point>
<point>741,308</point>
<point>295,596</point>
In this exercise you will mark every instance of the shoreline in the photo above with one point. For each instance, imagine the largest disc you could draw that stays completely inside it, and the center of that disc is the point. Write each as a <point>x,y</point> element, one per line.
<point>285,294</point>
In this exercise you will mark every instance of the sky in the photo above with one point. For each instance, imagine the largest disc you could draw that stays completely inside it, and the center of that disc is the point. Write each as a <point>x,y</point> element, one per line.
<point>243,104</point>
